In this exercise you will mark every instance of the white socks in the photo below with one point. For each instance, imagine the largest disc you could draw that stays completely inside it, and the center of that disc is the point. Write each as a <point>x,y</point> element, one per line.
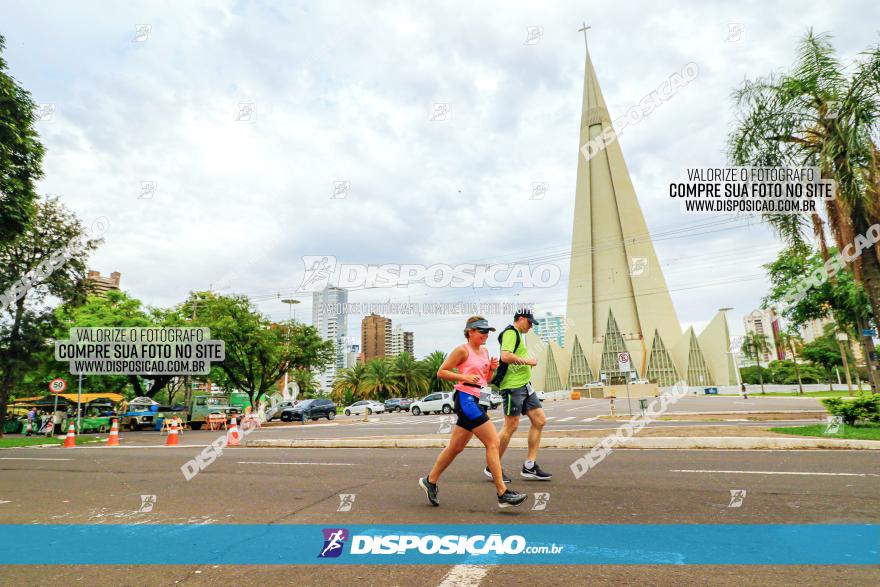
<point>529,464</point>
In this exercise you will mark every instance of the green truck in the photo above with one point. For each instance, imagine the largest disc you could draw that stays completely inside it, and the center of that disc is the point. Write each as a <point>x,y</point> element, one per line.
<point>230,405</point>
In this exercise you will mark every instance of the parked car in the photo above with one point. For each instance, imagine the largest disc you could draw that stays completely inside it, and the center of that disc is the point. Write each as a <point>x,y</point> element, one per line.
<point>435,402</point>
<point>311,409</point>
<point>275,411</point>
<point>368,406</point>
<point>397,404</point>
<point>496,400</point>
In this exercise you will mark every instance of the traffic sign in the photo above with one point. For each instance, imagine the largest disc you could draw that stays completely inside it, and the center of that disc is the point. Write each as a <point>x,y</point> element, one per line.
<point>57,385</point>
<point>623,363</point>
<point>869,332</point>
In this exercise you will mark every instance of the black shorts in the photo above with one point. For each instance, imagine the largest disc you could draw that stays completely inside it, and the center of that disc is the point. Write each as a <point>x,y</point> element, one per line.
<point>518,401</point>
<point>470,413</point>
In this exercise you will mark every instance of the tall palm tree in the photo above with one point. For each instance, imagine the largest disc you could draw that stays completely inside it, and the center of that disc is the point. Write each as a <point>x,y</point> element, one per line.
<point>430,365</point>
<point>819,115</point>
<point>410,376</point>
<point>755,345</point>
<point>791,342</point>
<point>380,380</point>
<point>347,383</point>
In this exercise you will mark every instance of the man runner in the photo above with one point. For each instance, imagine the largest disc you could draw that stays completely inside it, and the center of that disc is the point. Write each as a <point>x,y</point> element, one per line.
<point>518,397</point>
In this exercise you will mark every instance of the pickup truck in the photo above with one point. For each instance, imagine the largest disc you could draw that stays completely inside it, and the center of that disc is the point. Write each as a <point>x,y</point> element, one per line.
<point>205,404</point>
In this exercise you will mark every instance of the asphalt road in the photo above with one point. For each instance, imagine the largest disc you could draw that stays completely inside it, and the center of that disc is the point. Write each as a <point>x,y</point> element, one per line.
<point>302,486</point>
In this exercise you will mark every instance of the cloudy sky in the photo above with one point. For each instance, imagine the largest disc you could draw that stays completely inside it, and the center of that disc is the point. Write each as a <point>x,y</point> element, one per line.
<point>212,136</point>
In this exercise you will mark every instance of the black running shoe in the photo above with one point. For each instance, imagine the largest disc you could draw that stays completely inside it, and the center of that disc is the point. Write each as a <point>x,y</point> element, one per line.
<point>488,474</point>
<point>509,498</point>
<point>430,490</point>
<point>535,473</point>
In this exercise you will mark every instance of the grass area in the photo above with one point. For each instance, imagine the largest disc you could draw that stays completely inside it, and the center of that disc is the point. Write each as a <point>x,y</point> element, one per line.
<point>861,432</point>
<point>15,441</point>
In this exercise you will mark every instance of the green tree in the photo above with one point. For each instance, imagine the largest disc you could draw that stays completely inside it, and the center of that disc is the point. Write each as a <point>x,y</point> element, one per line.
<point>825,351</point>
<point>49,258</point>
<point>431,364</point>
<point>824,115</point>
<point>790,342</point>
<point>305,381</point>
<point>21,155</point>
<point>754,345</point>
<point>347,384</point>
<point>257,351</point>
<point>410,376</point>
<point>380,380</point>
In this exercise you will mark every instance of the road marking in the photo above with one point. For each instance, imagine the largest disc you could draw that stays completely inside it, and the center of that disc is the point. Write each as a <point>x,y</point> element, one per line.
<point>2,501</point>
<point>496,420</point>
<point>778,473</point>
<point>551,418</point>
<point>30,459</point>
<point>295,463</point>
<point>593,419</point>
<point>465,576</point>
<point>565,419</point>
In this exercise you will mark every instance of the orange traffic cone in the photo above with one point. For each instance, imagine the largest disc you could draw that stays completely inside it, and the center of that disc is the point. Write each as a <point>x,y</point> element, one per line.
<point>172,439</point>
<point>114,434</point>
<point>70,439</point>
<point>232,435</point>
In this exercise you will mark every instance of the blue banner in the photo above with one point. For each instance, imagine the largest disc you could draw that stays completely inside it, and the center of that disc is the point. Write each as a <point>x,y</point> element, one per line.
<point>518,544</point>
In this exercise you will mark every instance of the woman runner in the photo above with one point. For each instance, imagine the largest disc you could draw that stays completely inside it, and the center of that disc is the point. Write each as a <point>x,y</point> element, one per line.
<point>475,369</point>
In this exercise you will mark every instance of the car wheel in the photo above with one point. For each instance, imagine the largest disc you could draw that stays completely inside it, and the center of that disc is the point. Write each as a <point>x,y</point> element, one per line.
<point>331,415</point>
<point>416,411</point>
<point>195,425</point>
<point>347,412</point>
<point>132,426</point>
<point>446,409</point>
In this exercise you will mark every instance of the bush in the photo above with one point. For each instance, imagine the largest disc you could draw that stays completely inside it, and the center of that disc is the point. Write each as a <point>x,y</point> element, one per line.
<point>865,407</point>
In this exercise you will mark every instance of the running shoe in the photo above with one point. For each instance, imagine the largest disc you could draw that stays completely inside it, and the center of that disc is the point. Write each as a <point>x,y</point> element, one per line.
<point>504,476</point>
<point>430,490</point>
<point>535,473</point>
<point>509,498</point>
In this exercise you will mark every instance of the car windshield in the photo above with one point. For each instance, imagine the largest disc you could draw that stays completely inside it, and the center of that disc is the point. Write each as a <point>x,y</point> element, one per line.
<point>305,404</point>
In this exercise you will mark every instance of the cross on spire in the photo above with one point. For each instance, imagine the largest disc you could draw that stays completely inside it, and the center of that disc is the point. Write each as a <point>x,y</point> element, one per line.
<point>584,30</point>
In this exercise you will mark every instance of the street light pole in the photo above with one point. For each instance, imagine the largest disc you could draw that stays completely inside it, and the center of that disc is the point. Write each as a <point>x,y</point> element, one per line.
<point>290,304</point>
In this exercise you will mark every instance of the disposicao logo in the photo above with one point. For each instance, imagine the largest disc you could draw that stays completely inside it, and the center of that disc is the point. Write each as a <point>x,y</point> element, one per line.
<point>334,541</point>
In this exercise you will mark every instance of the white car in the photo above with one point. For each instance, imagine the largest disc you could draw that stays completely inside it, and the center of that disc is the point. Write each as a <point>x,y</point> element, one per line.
<point>435,402</point>
<point>368,406</point>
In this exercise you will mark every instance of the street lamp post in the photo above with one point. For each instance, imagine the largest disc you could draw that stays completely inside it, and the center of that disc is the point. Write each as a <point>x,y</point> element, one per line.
<point>290,304</point>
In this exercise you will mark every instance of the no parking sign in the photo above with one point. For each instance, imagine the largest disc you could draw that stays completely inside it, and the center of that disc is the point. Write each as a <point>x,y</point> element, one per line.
<point>623,362</point>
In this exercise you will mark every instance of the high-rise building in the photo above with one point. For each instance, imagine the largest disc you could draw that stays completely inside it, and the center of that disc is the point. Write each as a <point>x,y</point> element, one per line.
<point>100,285</point>
<point>764,322</point>
<point>330,318</point>
<point>401,342</point>
<point>550,327</point>
<point>375,336</point>
<point>618,300</point>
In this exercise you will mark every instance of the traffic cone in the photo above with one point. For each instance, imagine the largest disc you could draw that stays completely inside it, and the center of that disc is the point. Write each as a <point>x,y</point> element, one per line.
<point>172,439</point>
<point>114,434</point>
<point>70,439</point>
<point>232,435</point>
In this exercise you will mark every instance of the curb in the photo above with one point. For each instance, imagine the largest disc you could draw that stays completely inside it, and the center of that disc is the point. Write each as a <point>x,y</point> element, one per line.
<point>707,442</point>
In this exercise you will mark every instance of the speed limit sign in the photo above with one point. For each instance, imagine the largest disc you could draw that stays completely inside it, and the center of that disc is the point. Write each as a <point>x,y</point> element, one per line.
<point>57,385</point>
<point>623,362</point>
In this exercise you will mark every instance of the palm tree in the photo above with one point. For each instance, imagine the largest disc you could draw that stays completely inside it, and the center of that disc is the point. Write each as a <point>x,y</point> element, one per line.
<point>305,380</point>
<point>380,380</point>
<point>755,345</point>
<point>818,116</point>
<point>410,376</point>
<point>347,384</point>
<point>790,342</point>
<point>430,365</point>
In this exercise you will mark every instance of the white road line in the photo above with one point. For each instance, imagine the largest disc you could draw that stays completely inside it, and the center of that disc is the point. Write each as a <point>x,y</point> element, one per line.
<point>778,473</point>
<point>294,463</point>
<point>565,419</point>
<point>465,576</point>
<point>30,459</point>
<point>2,501</point>
<point>593,419</point>
<point>551,418</point>
<point>496,420</point>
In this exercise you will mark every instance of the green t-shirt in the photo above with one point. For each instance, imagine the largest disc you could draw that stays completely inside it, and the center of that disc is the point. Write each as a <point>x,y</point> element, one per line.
<point>517,375</point>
